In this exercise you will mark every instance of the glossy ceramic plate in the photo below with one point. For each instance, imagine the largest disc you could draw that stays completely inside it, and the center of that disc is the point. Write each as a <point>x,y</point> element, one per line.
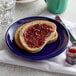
<point>49,51</point>
<point>25,1</point>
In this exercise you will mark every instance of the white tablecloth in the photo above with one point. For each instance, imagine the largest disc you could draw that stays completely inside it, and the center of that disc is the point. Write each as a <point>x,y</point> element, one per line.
<point>25,10</point>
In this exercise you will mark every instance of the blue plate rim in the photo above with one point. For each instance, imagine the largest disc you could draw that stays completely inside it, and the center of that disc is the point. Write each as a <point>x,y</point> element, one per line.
<point>37,56</point>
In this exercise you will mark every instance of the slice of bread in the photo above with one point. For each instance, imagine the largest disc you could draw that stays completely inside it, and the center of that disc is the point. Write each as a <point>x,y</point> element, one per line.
<point>16,37</point>
<point>52,37</point>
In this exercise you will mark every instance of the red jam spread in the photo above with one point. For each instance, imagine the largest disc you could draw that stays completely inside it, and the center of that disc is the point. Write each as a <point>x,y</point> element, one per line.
<point>35,35</point>
<point>72,50</point>
<point>71,55</point>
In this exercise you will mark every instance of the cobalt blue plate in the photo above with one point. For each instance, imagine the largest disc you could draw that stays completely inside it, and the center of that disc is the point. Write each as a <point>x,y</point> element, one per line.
<point>49,51</point>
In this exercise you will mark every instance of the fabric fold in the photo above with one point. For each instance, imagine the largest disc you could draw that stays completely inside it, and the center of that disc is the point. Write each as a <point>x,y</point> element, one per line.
<point>56,64</point>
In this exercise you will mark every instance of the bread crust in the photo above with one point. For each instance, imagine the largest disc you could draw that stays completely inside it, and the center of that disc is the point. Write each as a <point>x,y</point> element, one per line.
<point>54,37</point>
<point>48,39</point>
<point>16,37</point>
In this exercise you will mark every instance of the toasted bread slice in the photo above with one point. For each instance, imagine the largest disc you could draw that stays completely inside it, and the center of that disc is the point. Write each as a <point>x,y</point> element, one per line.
<point>16,37</point>
<point>53,38</point>
<point>31,24</point>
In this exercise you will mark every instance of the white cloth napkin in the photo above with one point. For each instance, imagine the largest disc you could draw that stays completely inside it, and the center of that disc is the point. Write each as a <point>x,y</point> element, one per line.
<point>56,64</point>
